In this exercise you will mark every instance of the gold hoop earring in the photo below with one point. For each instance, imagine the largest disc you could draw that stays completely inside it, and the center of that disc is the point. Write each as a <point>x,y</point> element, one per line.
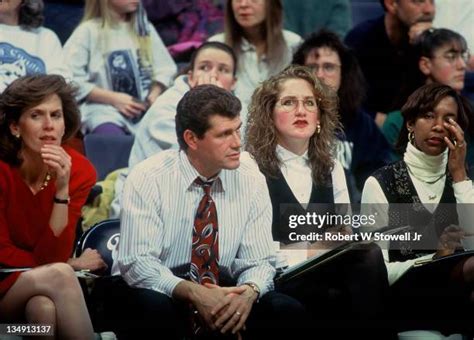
<point>411,137</point>
<point>318,129</point>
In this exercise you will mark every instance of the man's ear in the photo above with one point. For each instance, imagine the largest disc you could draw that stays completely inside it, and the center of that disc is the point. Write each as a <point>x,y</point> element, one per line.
<point>424,64</point>
<point>190,138</point>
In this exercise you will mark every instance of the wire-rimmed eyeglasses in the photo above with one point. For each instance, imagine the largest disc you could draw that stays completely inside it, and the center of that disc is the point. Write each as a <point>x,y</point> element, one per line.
<point>290,104</point>
<point>327,68</point>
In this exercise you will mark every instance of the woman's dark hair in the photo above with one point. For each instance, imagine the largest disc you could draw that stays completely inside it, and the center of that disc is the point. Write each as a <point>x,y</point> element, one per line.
<point>218,46</point>
<point>27,92</point>
<point>424,100</point>
<point>31,14</point>
<point>434,38</point>
<point>426,46</point>
<point>352,90</point>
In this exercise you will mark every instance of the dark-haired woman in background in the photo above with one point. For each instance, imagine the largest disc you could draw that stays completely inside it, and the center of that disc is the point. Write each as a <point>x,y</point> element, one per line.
<point>26,47</point>
<point>43,186</point>
<point>362,148</point>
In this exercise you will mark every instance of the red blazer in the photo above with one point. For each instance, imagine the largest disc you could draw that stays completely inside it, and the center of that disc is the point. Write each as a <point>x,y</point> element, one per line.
<point>26,239</point>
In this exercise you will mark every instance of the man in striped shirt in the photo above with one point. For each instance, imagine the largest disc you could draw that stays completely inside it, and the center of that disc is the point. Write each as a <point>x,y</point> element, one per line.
<point>158,213</point>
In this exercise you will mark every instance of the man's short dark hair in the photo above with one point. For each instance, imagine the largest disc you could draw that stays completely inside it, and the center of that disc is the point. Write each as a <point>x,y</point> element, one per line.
<point>198,105</point>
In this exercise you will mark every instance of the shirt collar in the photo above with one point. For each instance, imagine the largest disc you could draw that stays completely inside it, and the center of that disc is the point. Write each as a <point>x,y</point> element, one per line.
<point>246,46</point>
<point>190,174</point>
<point>286,155</point>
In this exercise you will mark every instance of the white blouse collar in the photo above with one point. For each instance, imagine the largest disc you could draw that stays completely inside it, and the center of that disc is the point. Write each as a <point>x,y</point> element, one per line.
<point>286,155</point>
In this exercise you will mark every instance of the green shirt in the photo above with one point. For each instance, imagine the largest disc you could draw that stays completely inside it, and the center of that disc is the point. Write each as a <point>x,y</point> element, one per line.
<point>307,16</point>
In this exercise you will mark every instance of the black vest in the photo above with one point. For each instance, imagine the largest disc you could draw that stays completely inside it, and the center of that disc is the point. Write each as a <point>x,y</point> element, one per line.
<point>280,193</point>
<point>398,188</point>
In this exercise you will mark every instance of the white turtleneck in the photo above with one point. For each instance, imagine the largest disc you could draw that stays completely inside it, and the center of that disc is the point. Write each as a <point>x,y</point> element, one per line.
<point>422,168</point>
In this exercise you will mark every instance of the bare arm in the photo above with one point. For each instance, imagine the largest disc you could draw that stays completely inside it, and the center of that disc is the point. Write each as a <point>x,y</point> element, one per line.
<point>155,91</point>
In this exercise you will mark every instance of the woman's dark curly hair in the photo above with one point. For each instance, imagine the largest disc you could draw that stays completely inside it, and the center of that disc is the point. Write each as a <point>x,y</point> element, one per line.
<point>26,92</point>
<point>261,134</point>
<point>352,89</point>
<point>31,14</point>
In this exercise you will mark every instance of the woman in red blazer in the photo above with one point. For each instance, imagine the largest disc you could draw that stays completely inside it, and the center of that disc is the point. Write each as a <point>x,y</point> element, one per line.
<point>43,186</point>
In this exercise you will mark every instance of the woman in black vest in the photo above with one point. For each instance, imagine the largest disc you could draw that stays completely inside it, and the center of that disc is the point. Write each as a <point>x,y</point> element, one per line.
<point>291,134</point>
<point>423,190</point>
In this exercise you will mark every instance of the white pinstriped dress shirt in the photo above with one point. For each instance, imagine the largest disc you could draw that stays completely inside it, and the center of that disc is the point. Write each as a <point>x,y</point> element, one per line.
<point>160,200</point>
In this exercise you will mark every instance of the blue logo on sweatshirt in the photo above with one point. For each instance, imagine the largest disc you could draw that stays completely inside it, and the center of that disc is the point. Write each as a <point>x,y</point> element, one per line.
<point>16,62</point>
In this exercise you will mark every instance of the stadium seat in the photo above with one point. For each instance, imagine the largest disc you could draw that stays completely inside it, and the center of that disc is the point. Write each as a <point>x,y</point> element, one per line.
<point>107,152</point>
<point>62,17</point>
<point>104,237</point>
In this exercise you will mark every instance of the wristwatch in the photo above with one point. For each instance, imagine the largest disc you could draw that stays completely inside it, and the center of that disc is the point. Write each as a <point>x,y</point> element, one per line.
<point>62,201</point>
<point>254,287</point>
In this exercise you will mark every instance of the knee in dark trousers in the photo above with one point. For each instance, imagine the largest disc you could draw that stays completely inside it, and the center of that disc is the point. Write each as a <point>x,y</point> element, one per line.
<point>276,314</point>
<point>137,312</point>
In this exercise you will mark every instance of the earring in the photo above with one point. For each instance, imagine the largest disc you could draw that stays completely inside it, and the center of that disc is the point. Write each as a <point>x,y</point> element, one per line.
<point>411,137</point>
<point>17,136</point>
<point>318,128</point>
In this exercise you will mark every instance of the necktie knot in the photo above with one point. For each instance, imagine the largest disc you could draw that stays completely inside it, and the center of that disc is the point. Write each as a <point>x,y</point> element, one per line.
<point>206,185</point>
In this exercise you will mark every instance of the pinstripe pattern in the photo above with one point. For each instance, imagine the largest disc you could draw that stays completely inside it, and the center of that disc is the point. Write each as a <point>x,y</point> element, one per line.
<point>159,204</point>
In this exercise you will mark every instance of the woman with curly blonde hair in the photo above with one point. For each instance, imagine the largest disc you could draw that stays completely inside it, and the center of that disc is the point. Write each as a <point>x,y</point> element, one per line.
<point>291,134</point>
<point>291,131</point>
<point>317,136</point>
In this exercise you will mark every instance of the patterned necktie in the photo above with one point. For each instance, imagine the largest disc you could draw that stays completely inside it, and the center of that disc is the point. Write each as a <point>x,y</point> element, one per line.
<point>205,248</point>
